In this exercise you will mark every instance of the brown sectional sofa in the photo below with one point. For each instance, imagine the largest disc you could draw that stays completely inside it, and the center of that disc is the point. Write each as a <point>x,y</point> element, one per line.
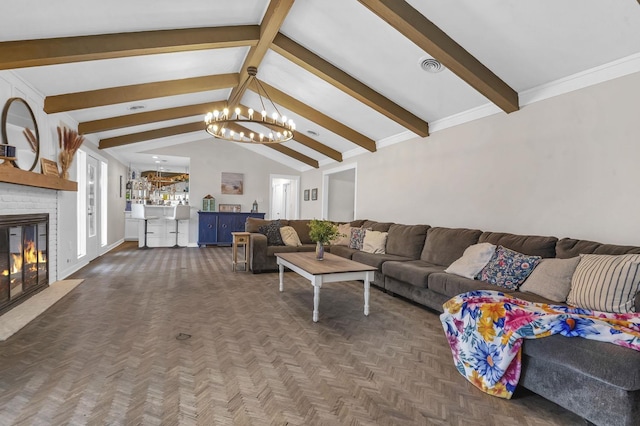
<point>262,256</point>
<point>599,381</point>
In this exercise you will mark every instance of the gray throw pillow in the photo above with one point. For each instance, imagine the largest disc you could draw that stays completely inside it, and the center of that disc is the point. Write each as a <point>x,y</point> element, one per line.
<point>272,231</point>
<point>551,279</point>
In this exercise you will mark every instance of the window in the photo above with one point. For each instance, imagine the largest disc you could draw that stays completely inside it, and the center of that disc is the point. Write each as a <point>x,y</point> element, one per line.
<point>82,202</point>
<point>104,173</point>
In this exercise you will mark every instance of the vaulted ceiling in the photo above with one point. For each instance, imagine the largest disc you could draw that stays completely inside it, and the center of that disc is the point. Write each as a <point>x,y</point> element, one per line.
<point>139,75</point>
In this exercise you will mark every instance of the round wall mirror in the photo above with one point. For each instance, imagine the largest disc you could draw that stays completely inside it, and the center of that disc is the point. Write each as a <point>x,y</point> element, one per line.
<point>19,128</point>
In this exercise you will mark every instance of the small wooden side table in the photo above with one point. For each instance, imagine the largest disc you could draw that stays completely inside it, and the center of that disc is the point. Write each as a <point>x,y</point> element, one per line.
<point>240,239</point>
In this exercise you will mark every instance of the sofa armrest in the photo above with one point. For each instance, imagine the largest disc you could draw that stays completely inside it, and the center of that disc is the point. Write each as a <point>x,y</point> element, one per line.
<point>258,251</point>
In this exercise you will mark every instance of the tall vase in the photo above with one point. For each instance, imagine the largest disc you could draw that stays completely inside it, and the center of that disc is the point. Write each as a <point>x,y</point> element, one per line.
<point>66,158</point>
<point>319,251</point>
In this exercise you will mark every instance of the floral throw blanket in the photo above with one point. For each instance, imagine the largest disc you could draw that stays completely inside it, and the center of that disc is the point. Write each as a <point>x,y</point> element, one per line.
<point>485,331</point>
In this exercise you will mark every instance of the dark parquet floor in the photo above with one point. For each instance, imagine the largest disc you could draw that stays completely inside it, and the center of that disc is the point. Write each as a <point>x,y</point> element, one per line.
<point>173,337</point>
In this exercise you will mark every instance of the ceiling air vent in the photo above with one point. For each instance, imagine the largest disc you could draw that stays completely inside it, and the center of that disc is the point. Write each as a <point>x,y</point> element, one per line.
<point>431,65</point>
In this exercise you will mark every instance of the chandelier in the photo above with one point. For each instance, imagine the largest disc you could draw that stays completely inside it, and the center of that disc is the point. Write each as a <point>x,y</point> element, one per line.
<point>228,126</point>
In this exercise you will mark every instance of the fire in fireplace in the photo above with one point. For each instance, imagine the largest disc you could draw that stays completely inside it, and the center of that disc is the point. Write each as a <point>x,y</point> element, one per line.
<point>24,247</point>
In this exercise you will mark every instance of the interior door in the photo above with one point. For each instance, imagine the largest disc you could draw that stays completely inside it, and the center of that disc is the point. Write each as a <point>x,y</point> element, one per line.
<point>284,197</point>
<point>92,208</point>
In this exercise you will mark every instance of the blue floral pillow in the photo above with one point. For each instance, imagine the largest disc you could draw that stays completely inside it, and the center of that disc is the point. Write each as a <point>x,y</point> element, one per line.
<point>508,268</point>
<point>272,231</point>
<point>357,238</point>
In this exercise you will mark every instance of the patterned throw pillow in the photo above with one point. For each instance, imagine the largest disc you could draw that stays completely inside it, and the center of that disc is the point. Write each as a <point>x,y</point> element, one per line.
<point>508,268</point>
<point>357,238</point>
<point>606,283</point>
<point>272,231</point>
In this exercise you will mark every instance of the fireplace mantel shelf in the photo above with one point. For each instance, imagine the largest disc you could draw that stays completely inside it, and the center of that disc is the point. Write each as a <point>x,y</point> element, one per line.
<point>23,177</point>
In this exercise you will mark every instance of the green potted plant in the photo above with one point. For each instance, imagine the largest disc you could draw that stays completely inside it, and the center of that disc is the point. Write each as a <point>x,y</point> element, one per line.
<point>322,231</point>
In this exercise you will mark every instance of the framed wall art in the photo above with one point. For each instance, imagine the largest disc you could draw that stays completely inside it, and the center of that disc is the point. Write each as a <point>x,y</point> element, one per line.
<point>314,194</point>
<point>233,208</point>
<point>49,167</point>
<point>306,195</point>
<point>232,183</point>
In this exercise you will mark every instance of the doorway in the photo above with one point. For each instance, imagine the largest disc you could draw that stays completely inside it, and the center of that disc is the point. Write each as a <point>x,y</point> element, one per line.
<point>91,176</point>
<point>92,208</point>
<point>339,189</point>
<point>284,197</point>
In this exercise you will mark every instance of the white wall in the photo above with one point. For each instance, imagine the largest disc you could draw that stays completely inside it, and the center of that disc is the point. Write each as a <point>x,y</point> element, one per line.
<point>341,196</point>
<point>63,238</point>
<point>565,166</point>
<point>209,158</point>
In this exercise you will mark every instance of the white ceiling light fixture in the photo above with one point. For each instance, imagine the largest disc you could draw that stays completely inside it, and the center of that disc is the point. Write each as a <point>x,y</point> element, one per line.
<point>430,65</point>
<point>279,128</point>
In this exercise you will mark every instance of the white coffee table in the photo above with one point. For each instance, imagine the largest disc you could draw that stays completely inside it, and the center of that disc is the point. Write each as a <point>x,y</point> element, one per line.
<point>332,269</point>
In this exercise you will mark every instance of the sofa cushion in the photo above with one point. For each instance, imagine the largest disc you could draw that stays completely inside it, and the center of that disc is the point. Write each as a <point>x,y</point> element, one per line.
<point>607,362</point>
<point>606,282</point>
<point>532,245</point>
<point>302,229</point>
<point>343,251</point>
<point>508,268</point>
<point>289,236</point>
<point>551,279</point>
<point>451,285</point>
<point>345,235</point>
<point>474,258</point>
<point>569,247</point>
<point>374,242</point>
<point>406,240</point>
<point>357,223</point>
<point>376,260</point>
<point>272,250</point>
<point>376,226</point>
<point>414,272</point>
<point>381,226</point>
<point>444,245</point>
<point>357,238</point>
<point>272,231</point>
<point>253,223</point>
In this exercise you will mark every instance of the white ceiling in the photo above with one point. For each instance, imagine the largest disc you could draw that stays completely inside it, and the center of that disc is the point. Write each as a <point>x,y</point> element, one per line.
<point>527,44</point>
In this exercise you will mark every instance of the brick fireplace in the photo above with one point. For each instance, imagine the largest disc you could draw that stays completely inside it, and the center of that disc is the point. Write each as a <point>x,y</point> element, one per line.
<point>36,206</point>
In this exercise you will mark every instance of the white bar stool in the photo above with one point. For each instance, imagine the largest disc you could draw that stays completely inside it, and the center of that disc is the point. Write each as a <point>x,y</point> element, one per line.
<point>138,211</point>
<point>179,213</point>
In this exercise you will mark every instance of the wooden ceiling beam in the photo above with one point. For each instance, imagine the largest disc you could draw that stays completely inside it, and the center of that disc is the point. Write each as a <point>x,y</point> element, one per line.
<point>151,134</point>
<point>294,154</point>
<point>279,147</point>
<point>305,140</point>
<point>148,117</point>
<point>194,127</point>
<point>319,118</point>
<point>50,51</point>
<point>137,92</point>
<point>426,35</point>
<point>273,19</point>
<point>343,81</point>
